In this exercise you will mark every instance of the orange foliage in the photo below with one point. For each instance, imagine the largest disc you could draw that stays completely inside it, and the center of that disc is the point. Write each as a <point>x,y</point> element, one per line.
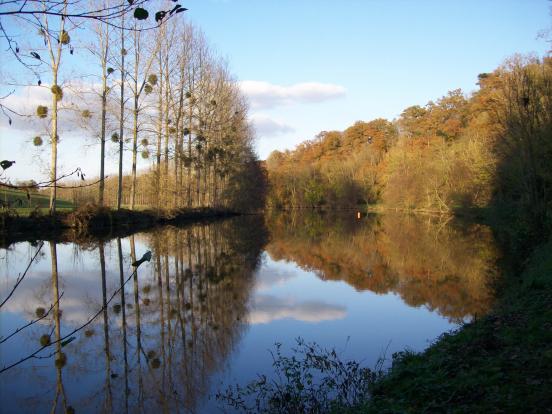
<point>425,261</point>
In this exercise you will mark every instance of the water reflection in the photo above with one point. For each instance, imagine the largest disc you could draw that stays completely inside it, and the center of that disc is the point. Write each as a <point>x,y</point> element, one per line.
<point>428,261</point>
<point>160,334</point>
<point>203,312</point>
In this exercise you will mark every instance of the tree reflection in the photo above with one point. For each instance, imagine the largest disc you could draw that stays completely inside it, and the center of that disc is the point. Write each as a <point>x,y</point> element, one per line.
<point>425,260</point>
<point>108,396</point>
<point>126,391</point>
<point>160,346</point>
<point>204,275</point>
<point>60,357</point>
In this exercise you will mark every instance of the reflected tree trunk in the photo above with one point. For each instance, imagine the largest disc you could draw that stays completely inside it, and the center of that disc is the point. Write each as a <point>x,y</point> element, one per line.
<point>162,324</point>
<point>108,397</point>
<point>60,357</point>
<point>138,327</point>
<point>124,322</point>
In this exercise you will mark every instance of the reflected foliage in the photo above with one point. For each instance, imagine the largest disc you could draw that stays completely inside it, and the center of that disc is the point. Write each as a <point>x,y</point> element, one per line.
<point>427,261</point>
<point>312,380</point>
<point>157,345</point>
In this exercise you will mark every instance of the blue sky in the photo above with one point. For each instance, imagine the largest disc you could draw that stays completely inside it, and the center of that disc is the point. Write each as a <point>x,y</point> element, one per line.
<point>309,65</point>
<point>387,55</point>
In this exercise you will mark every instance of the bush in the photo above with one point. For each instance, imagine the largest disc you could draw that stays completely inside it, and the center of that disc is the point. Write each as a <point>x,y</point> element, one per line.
<point>312,380</point>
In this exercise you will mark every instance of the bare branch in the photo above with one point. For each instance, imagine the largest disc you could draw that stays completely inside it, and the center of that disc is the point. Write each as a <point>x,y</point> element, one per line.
<point>20,278</point>
<point>33,321</point>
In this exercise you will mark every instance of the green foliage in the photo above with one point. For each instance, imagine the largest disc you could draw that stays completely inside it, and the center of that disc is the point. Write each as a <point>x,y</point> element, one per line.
<point>148,88</point>
<point>522,110</point>
<point>37,200</point>
<point>500,363</point>
<point>37,141</point>
<point>311,380</point>
<point>40,312</point>
<point>115,137</point>
<point>314,193</point>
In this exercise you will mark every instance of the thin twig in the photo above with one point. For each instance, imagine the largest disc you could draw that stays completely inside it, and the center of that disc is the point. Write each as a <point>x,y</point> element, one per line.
<point>35,353</point>
<point>20,278</point>
<point>31,322</point>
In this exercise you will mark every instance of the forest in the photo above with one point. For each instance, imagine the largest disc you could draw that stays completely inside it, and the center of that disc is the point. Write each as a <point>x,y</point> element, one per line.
<point>491,148</point>
<point>127,291</point>
<point>157,91</point>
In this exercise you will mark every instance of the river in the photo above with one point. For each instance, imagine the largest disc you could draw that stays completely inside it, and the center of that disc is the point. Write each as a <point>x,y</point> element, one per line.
<point>208,308</point>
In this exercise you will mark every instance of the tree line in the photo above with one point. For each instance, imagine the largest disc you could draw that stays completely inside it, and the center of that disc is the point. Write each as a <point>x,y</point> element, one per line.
<point>160,93</point>
<point>491,148</point>
<point>154,336</point>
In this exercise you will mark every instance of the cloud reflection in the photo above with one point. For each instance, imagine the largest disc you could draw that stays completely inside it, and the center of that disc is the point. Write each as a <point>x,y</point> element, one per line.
<point>267,308</point>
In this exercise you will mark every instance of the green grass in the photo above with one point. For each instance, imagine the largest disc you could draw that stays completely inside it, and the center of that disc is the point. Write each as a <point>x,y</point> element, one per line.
<point>26,212</point>
<point>501,363</point>
<point>18,199</point>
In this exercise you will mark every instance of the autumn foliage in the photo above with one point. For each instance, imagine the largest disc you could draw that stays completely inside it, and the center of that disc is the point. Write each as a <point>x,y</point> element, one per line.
<point>491,147</point>
<point>426,261</point>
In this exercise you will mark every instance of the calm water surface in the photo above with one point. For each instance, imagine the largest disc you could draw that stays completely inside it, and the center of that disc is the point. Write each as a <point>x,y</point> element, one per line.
<point>204,313</point>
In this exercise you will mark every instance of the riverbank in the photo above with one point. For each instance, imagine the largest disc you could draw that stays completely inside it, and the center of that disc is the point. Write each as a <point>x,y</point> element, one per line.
<point>499,363</point>
<point>93,221</point>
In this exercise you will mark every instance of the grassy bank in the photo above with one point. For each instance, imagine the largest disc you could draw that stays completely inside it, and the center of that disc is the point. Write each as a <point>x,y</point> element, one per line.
<point>25,203</point>
<point>93,221</point>
<point>500,363</point>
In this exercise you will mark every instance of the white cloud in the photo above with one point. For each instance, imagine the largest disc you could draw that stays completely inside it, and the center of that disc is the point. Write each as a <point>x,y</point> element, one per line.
<point>268,127</point>
<point>77,96</point>
<point>268,308</point>
<point>263,95</point>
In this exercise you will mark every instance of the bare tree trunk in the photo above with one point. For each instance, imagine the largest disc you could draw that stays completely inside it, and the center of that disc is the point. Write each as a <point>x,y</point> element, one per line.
<point>121,120</point>
<point>135,121</point>
<point>160,128</point>
<point>167,128</point>
<point>102,131</point>
<point>109,399</point>
<point>124,322</point>
<point>55,60</point>
<point>134,153</point>
<point>60,357</point>
<point>189,166</point>
<point>54,140</point>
